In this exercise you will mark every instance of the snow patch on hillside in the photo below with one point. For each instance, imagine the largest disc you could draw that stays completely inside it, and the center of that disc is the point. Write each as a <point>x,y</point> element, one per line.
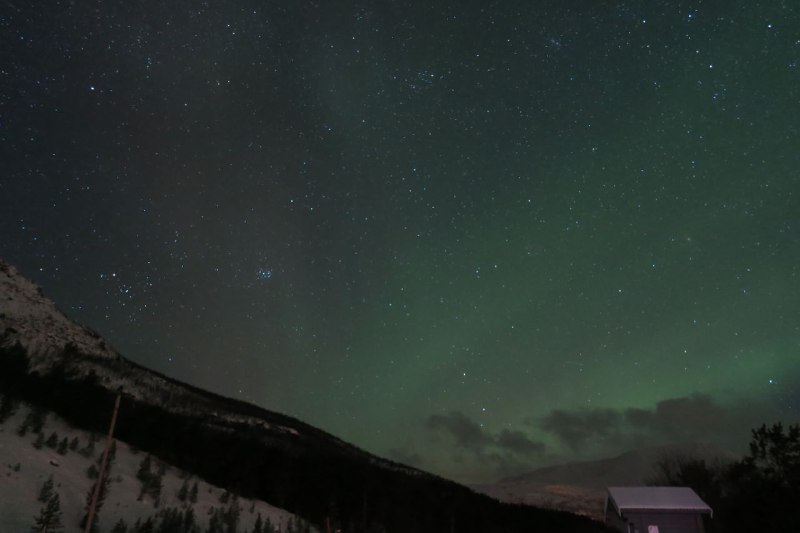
<point>32,320</point>
<point>24,469</point>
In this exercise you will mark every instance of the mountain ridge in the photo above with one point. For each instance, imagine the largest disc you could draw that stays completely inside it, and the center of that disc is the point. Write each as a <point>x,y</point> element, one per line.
<point>72,338</point>
<point>49,360</point>
<point>578,472</point>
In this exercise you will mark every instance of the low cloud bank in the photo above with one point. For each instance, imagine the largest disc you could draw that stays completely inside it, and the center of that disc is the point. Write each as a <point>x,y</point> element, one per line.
<point>695,417</point>
<point>502,453</point>
<point>460,447</point>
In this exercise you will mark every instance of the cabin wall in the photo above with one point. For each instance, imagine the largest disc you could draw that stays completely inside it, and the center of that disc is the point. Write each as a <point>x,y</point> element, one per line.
<point>613,519</point>
<point>666,522</point>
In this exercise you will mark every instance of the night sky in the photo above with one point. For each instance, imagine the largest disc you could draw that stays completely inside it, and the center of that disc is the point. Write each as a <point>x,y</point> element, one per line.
<point>477,237</point>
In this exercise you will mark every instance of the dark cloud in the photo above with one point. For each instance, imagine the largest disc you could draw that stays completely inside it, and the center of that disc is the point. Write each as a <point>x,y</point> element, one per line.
<point>406,455</point>
<point>682,416</point>
<point>468,434</point>
<point>518,442</point>
<point>574,428</point>
<point>695,417</point>
<point>505,452</point>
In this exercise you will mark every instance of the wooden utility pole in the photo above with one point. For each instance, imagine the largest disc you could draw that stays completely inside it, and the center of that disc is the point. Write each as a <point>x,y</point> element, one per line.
<point>102,473</point>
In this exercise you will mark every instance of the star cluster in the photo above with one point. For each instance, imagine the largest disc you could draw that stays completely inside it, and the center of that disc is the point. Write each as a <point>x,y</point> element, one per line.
<point>477,237</point>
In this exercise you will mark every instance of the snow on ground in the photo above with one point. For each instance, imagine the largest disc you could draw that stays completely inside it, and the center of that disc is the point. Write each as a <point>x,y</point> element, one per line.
<point>24,469</point>
<point>560,497</point>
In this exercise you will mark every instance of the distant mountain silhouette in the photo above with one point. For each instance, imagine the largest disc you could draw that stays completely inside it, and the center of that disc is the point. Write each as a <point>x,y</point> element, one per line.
<point>580,487</point>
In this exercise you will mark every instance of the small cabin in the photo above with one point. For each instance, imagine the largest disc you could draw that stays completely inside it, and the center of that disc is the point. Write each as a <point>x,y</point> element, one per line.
<point>656,510</point>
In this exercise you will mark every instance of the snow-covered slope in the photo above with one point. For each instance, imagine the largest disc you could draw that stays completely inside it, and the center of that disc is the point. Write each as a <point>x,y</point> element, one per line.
<point>53,346</point>
<point>31,320</point>
<point>54,363</point>
<point>51,340</point>
<point>27,317</point>
<point>24,469</point>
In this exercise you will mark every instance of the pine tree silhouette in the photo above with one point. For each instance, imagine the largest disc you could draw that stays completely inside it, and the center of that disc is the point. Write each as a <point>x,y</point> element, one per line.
<point>63,446</point>
<point>193,493</point>
<point>46,492</point>
<point>49,518</point>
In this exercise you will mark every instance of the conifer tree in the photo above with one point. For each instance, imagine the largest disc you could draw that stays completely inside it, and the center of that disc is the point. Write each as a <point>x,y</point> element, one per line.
<point>144,469</point>
<point>120,527</point>
<point>52,440</point>
<point>171,520</point>
<point>33,421</point>
<point>154,487</point>
<point>46,492</point>
<point>38,418</point>
<point>38,443</point>
<point>230,517</point>
<point>215,524</point>
<point>101,496</point>
<point>183,492</point>
<point>258,527</point>
<point>63,446</point>
<point>189,522</point>
<point>74,443</point>
<point>49,518</point>
<point>148,526</point>
<point>8,406</point>
<point>193,493</point>
<point>112,453</point>
<point>88,450</point>
<point>23,428</point>
<point>151,482</point>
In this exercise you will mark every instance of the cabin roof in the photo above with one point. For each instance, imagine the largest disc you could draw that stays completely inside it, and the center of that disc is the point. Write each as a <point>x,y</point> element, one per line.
<point>682,499</point>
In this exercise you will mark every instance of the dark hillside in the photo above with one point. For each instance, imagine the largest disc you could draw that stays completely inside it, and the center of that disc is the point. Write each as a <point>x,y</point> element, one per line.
<point>303,469</point>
